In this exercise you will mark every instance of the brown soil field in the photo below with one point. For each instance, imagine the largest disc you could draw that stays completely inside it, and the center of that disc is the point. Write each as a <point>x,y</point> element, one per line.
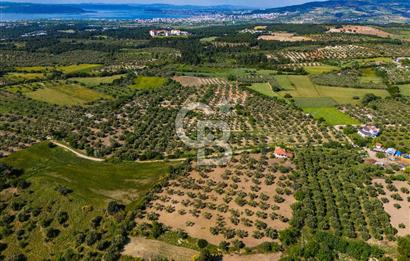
<point>149,249</point>
<point>245,200</point>
<point>398,216</point>
<point>366,30</point>
<point>190,81</point>
<point>284,37</point>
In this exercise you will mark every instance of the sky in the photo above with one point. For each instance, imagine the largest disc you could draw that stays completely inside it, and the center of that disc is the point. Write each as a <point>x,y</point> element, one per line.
<point>251,3</point>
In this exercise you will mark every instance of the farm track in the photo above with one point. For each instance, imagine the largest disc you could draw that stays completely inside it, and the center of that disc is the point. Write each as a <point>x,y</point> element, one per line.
<point>77,153</point>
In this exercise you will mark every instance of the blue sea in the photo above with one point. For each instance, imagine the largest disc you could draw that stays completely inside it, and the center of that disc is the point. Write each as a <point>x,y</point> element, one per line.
<point>94,15</point>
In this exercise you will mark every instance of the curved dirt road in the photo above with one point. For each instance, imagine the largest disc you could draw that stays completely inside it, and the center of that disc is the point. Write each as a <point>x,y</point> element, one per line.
<point>77,153</point>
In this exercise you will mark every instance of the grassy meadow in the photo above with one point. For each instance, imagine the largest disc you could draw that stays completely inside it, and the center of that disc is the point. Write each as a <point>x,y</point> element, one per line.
<point>93,184</point>
<point>263,88</point>
<point>320,69</point>
<point>405,89</point>
<point>146,82</point>
<point>299,86</point>
<point>59,92</point>
<point>94,81</point>
<point>79,68</point>
<point>331,115</point>
<point>67,69</point>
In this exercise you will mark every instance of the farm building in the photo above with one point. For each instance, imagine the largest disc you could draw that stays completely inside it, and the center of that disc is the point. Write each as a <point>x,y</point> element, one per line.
<point>282,153</point>
<point>378,147</point>
<point>167,33</point>
<point>369,131</point>
<point>391,151</point>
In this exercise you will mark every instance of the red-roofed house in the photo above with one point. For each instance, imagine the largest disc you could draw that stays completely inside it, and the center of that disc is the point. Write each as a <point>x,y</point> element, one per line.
<point>282,153</point>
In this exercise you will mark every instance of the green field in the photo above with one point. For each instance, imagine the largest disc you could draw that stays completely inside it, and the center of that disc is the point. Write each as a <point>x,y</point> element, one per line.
<point>94,81</point>
<point>370,75</point>
<point>93,184</point>
<point>79,68</point>
<point>405,89</point>
<point>223,72</point>
<point>345,95</point>
<point>145,82</point>
<point>34,68</point>
<point>67,69</point>
<point>263,88</point>
<point>320,69</point>
<point>298,86</point>
<point>59,92</point>
<point>366,61</point>
<point>208,39</point>
<point>24,76</point>
<point>314,102</point>
<point>284,82</point>
<point>302,87</point>
<point>331,115</point>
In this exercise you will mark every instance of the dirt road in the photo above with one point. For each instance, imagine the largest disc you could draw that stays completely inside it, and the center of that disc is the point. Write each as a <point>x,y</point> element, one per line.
<point>78,154</point>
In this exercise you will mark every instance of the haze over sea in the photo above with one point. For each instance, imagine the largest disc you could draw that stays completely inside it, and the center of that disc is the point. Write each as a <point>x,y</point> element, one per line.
<point>95,14</point>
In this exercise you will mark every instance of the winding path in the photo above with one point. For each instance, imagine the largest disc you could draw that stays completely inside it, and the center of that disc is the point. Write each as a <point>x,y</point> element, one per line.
<point>78,154</point>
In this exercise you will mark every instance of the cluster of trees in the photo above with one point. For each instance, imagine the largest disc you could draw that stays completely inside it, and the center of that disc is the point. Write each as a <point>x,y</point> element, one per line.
<point>332,195</point>
<point>326,246</point>
<point>10,177</point>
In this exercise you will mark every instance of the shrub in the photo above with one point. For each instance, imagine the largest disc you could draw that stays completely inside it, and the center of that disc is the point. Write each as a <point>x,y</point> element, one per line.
<point>114,207</point>
<point>202,243</point>
<point>62,217</point>
<point>404,247</point>
<point>223,245</point>
<point>52,233</point>
<point>205,255</point>
<point>157,229</point>
<point>288,236</point>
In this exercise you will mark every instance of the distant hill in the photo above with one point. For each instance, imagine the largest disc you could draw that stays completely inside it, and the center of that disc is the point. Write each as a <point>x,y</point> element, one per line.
<point>377,11</point>
<point>33,8</point>
<point>29,8</point>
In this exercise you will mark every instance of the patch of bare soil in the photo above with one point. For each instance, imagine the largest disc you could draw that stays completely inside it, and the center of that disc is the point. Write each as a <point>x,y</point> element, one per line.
<point>149,249</point>
<point>355,29</point>
<point>258,257</point>
<point>284,37</point>
<point>397,194</point>
<point>190,81</point>
<point>248,200</point>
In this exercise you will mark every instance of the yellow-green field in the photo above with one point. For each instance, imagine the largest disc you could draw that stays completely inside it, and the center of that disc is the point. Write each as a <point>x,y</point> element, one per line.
<point>369,75</point>
<point>263,88</point>
<point>94,81</point>
<point>59,92</point>
<point>405,89</point>
<point>24,76</point>
<point>298,86</point>
<point>331,115</point>
<point>301,86</point>
<point>208,39</point>
<point>320,69</point>
<point>146,82</point>
<point>34,68</point>
<point>78,68</point>
<point>367,61</point>
<point>68,69</point>
<point>345,95</point>
<point>20,77</point>
<point>284,82</point>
